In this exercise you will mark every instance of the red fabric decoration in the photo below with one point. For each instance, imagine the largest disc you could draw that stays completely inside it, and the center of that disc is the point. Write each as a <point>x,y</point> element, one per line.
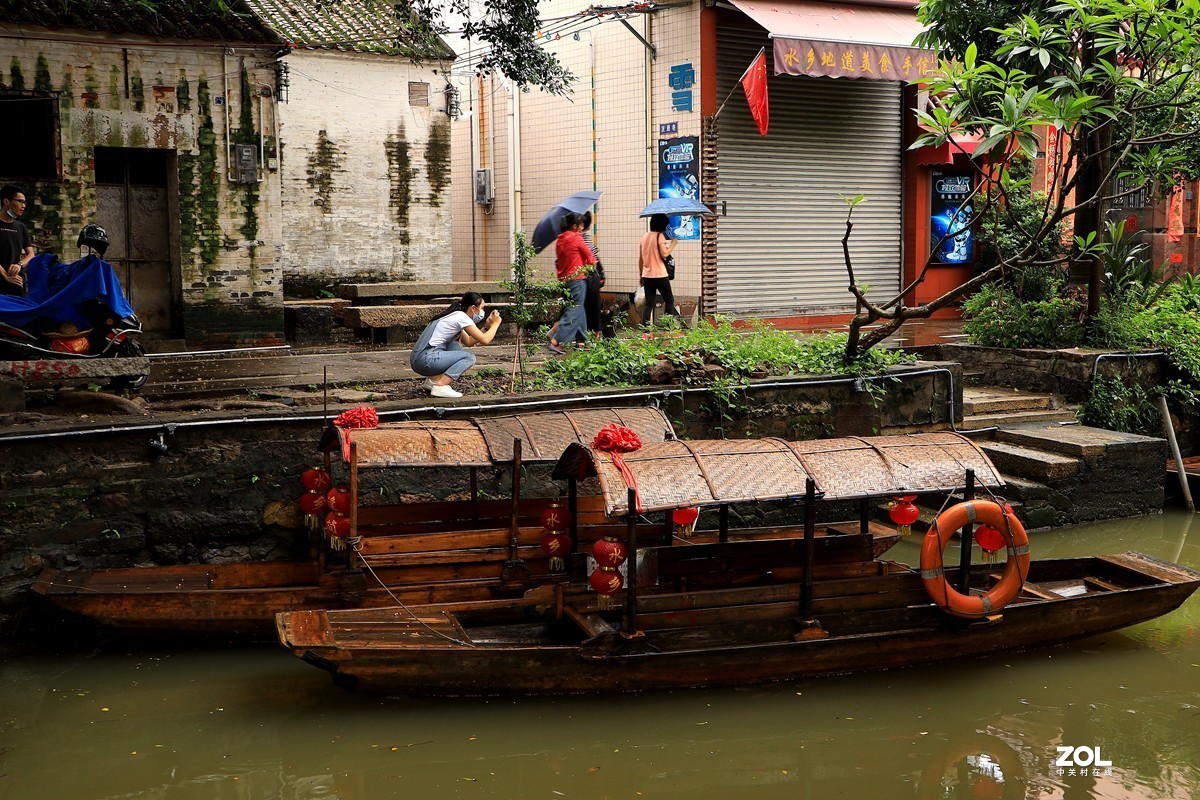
<point>614,438</point>
<point>316,480</point>
<point>754,83</point>
<point>359,417</point>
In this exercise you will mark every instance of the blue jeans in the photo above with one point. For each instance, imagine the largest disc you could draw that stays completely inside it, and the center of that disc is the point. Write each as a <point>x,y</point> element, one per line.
<point>573,321</point>
<point>453,361</point>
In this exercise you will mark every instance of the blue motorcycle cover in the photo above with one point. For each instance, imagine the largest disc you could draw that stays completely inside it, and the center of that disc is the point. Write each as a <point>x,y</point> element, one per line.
<point>56,290</point>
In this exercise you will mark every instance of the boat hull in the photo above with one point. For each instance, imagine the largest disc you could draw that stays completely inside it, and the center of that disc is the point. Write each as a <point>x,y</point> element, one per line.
<point>623,665</point>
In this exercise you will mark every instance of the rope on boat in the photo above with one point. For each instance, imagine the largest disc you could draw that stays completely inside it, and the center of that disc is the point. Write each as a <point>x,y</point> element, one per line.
<point>355,544</point>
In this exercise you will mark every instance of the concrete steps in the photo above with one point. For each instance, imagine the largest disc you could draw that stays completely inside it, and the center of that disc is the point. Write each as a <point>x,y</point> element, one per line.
<point>989,406</point>
<point>1031,463</point>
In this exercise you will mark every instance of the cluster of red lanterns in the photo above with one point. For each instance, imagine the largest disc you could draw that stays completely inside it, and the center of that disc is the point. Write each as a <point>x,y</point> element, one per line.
<point>904,513</point>
<point>325,505</point>
<point>606,578</point>
<point>556,542</point>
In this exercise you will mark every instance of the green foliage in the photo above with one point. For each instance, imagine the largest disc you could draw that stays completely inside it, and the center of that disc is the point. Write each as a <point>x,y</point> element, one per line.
<point>532,300</point>
<point>1130,278</point>
<point>1121,405</point>
<point>754,351</point>
<point>1007,226</point>
<point>997,316</point>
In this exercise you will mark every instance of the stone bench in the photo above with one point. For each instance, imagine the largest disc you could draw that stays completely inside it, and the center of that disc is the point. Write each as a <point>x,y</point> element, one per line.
<point>417,292</point>
<point>397,324</point>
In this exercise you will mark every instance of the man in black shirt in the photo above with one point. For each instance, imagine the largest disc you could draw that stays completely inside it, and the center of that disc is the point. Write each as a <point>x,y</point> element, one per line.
<point>16,248</point>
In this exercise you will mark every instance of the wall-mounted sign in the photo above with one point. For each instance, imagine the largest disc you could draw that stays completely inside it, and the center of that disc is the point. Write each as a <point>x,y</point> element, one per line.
<point>951,217</point>
<point>667,128</point>
<point>681,80</point>
<point>679,176</point>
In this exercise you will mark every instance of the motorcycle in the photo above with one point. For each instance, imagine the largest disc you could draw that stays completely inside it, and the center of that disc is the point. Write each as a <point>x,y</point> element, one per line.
<point>71,311</point>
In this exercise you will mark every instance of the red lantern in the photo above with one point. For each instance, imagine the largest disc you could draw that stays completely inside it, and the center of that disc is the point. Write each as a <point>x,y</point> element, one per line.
<point>990,540</point>
<point>313,504</point>
<point>607,581</point>
<point>685,521</point>
<point>554,518</point>
<point>339,499</point>
<point>608,552</point>
<point>685,516</point>
<point>316,480</point>
<point>556,544</point>
<point>337,529</point>
<point>904,514</point>
<point>906,498</point>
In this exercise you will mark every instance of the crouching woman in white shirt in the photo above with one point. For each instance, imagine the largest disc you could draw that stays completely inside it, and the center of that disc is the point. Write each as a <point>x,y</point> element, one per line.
<point>439,354</point>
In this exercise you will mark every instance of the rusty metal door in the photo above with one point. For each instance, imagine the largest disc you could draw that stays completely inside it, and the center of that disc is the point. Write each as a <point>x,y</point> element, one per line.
<point>133,206</point>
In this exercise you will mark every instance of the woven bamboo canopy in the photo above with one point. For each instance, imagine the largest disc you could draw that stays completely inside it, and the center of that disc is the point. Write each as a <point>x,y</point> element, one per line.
<point>487,441</point>
<point>678,474</point>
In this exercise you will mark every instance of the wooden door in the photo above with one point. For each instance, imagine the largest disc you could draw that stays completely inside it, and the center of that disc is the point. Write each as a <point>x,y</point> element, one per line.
<point>133,205</point>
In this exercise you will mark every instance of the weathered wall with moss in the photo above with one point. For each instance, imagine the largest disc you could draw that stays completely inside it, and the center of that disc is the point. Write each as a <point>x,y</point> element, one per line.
<point>174,98</point>
<point>366,174</point>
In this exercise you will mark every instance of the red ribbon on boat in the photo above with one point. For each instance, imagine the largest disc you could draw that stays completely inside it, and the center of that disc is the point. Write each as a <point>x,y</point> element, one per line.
<point>358,417</point>
<point>616,439</point>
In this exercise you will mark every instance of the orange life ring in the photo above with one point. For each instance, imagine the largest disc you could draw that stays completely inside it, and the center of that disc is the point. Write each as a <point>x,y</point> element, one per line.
<point>1016,569</point>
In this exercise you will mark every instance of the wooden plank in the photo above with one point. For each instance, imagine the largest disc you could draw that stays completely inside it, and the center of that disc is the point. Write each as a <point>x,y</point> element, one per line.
<point>448,510</point>
<point>1144,565</point>
<point>1103,585</point>
<point>591,624</point>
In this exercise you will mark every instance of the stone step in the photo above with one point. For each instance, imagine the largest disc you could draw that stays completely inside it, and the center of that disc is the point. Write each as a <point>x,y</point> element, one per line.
<point>990,399</point>
<point>1082,441</point>
<point>401,316</point>
<point>1025,462</point>
<point>1062,415</point>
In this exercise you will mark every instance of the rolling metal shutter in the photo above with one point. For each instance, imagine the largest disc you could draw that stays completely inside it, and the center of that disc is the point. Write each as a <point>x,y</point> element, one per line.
<point>779,247</point>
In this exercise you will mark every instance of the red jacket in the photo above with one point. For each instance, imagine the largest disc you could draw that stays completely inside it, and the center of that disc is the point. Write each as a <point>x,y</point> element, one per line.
<point>571,253</point>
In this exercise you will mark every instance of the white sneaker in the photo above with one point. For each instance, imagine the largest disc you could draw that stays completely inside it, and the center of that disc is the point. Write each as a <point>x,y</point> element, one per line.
<point>444,391</point>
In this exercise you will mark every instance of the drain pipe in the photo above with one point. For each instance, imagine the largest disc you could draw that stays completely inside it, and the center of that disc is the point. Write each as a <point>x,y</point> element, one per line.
<point>1102,356</point>
<point>653,395</point>
<point>1179,470</point>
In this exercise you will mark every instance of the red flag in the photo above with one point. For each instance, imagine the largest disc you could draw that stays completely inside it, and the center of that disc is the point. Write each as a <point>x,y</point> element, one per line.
<point>754,82</point>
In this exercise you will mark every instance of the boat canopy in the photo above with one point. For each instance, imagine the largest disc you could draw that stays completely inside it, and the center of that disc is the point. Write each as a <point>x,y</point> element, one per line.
<point>679,474</point>
<point>487,441</point>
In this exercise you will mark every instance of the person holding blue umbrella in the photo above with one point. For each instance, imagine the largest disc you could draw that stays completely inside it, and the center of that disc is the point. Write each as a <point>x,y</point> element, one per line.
<point>572,257</point>
<point>653,252</point>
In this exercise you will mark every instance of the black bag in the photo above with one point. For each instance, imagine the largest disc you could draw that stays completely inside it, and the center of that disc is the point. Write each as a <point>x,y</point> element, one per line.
<point>669,263</point>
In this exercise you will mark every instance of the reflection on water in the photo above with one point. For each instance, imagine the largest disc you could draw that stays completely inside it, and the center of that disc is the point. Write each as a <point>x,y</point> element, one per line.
<point>257,723</point>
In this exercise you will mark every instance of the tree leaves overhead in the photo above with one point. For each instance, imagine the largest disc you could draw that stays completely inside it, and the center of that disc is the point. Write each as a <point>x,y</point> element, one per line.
<point>510,28</point>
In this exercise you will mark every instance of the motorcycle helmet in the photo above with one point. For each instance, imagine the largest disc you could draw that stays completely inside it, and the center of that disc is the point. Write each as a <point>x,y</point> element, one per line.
<point>95,237</point>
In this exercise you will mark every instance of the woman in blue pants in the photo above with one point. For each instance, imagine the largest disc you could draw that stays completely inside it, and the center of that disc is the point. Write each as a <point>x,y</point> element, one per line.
<point>439,353</point>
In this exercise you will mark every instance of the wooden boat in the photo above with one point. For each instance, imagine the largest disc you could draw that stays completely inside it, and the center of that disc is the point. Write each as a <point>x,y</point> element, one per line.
<point>467,550</point>
<point>737,612</point>
<point>439,551</point>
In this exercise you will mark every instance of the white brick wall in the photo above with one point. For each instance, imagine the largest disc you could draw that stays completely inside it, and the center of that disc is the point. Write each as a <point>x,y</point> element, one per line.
<point>348,210</point>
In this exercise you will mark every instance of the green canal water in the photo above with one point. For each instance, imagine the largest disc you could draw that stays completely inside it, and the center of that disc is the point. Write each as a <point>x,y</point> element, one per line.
<point>257,723</point>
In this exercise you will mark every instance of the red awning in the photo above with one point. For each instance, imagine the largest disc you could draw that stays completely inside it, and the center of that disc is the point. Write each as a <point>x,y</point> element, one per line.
<point>959,147</point>
<point>842,40</point>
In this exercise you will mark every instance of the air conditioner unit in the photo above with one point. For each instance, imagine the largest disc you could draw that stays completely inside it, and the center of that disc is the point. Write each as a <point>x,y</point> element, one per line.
<point>483,187</point>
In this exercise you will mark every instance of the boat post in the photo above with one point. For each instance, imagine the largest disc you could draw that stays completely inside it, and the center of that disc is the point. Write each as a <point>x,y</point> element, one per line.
<point>723,518</point>
<point>864,516</point>
<point>631,568</point>
<point>966,540</point>
<point>474,494</point>
<point>810,525</point>
<point>573,510</point>
<point>352,555</point>
<point>515,574</point>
